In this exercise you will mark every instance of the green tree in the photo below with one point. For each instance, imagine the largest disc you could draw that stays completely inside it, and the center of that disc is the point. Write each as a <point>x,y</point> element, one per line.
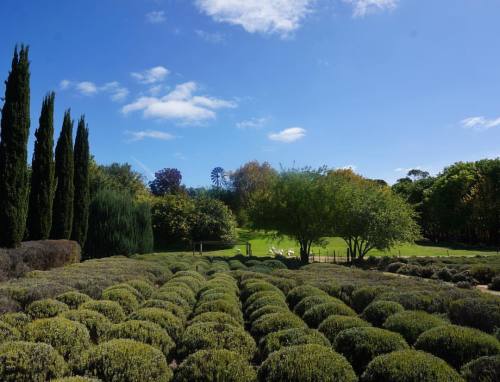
<point>81,182</point>
<point>42,174</point>
<point>212,220</point>
<point>62,217</point>
<point>118,177</point>
<point>15,125</point>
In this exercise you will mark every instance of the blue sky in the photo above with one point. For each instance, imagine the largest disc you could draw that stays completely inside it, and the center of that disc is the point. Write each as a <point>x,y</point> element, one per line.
<point>378,85</point>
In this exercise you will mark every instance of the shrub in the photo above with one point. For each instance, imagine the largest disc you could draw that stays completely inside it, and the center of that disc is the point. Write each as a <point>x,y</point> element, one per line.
<point>333,325</point>
<point>411,323</point>
<point>167,305</point>
<point>274,264</point>
<point>274,322</point>
<point>478,313</point>
<point>483,369</point>
<point>212,220</point>
<point>8,332</point>
<point>482,273</point>
<point>109,309</point>
<point>216,317</point>
<point>220,306</point>
<point>495,283</point>
<point>45,308</point>
<point>290,337</point>
<point>73,299</point>
<point>128,361</point>
<point>191,282</point>
<point>215,365</point>
<point>192,274</point>
<point>394,267</point>
<point>263,301</point>
<point>268,309</point>
<point>315,316</point>
<point>30,362</point>
<point>306,363</point>
<point>257,286</point>
<point>308,302</point>
<point>360,345</point>
<point>172,324</point>
<point>300,292</point>
<point>258,295</point>
<point>378,311</point>
<point>69,338</point>
<point>210,335</point>
<point>228,296</point>
<point>75,379</point>
<point>145,332</point>
<point>409,300</point>
<point>363,297</point>
<point>144,287</point>
<point>17,320</point>
<point>97,324</point>
<point>457,345</point>
<point>409,366</point>
<point>330,287</point>
<point>126,287</point>
<point>444,274</point>
<point>175,298</point>
<point>127,300</point>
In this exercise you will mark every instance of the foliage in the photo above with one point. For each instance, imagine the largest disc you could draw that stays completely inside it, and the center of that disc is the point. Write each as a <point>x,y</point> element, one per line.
<point>216,318</point>
<point>334,324</point>
<point>362,297</point>
<point>274,322</point>
<point>109,309</point>
<point>318,313</point>
<point>223,306</point>
<point>46,308</point>
<point>171,324</point>
<point>483,369</point>
<point>171,215</point>
<point>378,311</point>
<point>127,300</point>
<point>167,182</point>
<point>212,221</point>
<point>96,323</point>
<point>479,313</point>
<point>297,294</point>
<point>290,337</point>
<point>16,320</point>
<point>8,332</point>
<point>73,299</point>
<point>411,323</point>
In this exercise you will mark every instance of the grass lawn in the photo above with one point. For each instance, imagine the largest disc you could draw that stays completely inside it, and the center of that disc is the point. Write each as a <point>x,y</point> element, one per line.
<point>262,242</point>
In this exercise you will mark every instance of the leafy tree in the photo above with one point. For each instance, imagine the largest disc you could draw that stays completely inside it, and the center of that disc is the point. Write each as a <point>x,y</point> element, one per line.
<point>81,181</point>
<point>212,220</point>
<point>62,217</point>
<point>167,181</point>
<point>15,125</point>
<point>218,177</point>
<point>42,174</point>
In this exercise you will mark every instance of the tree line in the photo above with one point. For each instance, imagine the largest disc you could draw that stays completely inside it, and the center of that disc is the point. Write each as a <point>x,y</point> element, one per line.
<point>50,199</point>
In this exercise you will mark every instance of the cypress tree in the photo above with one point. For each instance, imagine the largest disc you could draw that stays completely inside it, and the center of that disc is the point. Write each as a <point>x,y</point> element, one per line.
<point>42,174</point>
<point>81,202</point>
<point>62,216</point>
<point>15,125</point>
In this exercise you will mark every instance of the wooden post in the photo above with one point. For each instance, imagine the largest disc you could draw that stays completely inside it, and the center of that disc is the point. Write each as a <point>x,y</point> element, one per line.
<point>334,259</point>
<point>201,248</point>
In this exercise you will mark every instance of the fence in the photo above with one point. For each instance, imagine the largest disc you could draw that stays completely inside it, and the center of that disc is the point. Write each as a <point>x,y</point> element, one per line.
<point>332,257</point>
<point>200,246</point>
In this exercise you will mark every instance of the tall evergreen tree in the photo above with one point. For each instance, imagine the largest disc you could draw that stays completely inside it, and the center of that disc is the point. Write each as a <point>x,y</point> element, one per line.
<point>81,202</point>
<point>42,174</point>
<point>15,125</point>
<point>62,216</point>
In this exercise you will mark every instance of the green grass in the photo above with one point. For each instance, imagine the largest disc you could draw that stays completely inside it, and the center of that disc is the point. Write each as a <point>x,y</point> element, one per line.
<point>261,243</point>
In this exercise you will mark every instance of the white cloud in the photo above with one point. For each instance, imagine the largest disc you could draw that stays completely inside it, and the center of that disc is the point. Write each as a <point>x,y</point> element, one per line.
<point>180,104</point>
<point>288,135</point>
<point>64,84</point>
<point>151,76</point>
<point>87,88</point>
<point>254,123</point>
<point>480,123</point>
<point>264,16</point>
<point>364,7</point>
<point>212,37</point>
<point>153,134</point>
<point>155,17</point>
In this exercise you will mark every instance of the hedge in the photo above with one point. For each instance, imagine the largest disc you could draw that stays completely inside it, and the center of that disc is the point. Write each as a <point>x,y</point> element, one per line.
<point>412,323</point>
<point>335,324</point>
<point>220,306</point>
<point>73,299</point>
<point>315,315</point>
<point>216,317</point>
<point>257,286</point>
<point>478,313</point>
<point>409,300</point>
<point>127,300</point>
<point>145,332</point>
<point>213,335</point>
<point>69,338</point>
<point>264,301</point>
<point>306,363</point>
<point>30,362</point>
<point>126,360</point>
<point>174,298</point>
<point>216,365</point>
<point>97,324</point>
<point>109,309</point>
<point>172,324</point>
<point>363,297</point>
<point>180,288</point>
<point>192,274</point>
<point>45,308</point>
<point>167,305</point>
<point>409,366</point>
<point>457,345</point>
<point>268,309</point>
<point>290,337</point>
<point>274,322</point>
<point>191,282</point>
<point>378,311</point>
<point>311,301</point>
<point>483,369</point>
<point>361,345</point>
<point>301,292</point>
<point>126,287</point>
<point>258,295</point>
<point>145,288</point>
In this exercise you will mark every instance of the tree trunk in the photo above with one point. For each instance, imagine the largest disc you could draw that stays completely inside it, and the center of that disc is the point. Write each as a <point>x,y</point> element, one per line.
<point>304,253</point>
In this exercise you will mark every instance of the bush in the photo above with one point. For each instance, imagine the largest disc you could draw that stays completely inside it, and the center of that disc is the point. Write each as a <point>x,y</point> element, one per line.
<point>69,338</point>
<point>444,274</point>
<point>330,287</point>
<point>274,322</point>
<point>301,292</point>
<point>363,297</point>
<point>216,365</point>
<point>306,363</point>
<point>258,295</point>
<point>264,301</point>
<point>409,366</point>
<point>127,288</point>
<point>478,313</point>
<point>75,379</point>
<point>315,316</point>
<point>128,361</point>
<point>166,305</point>
<point>257,286</point>
<point>274,264</point>
<point>191,282</point>
<point>145,288</point>
<point>483,369</point>
<point>333,325</point>
<point>495,283</point>
<point>290,337</point>
<point>179,288</point>
<point>127,300</point>
<point>30,362</point>
<point>457,345</point>
<point>227,296</point>
<point>210,335</point>
<point>97,324</point>
<point>73,299</point>
<point>411,323</point>
<point>212,220</point>
<point>192,274</point>
<point>216,317</point>
<point>174,298</point>
<point>409,300</point>
<point>378,311</point>
<point>145,332</point>
<point>311,301</point>
<point>482,273</point>
<point>172,324</point>
<point>45,308</point>
<point>268,309</point>
<point>17,320</point>
<point>109,309</point>
<point>8,332</point>
<point>394,267</point>
<point>220,306</point>
<point>361,345</point>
